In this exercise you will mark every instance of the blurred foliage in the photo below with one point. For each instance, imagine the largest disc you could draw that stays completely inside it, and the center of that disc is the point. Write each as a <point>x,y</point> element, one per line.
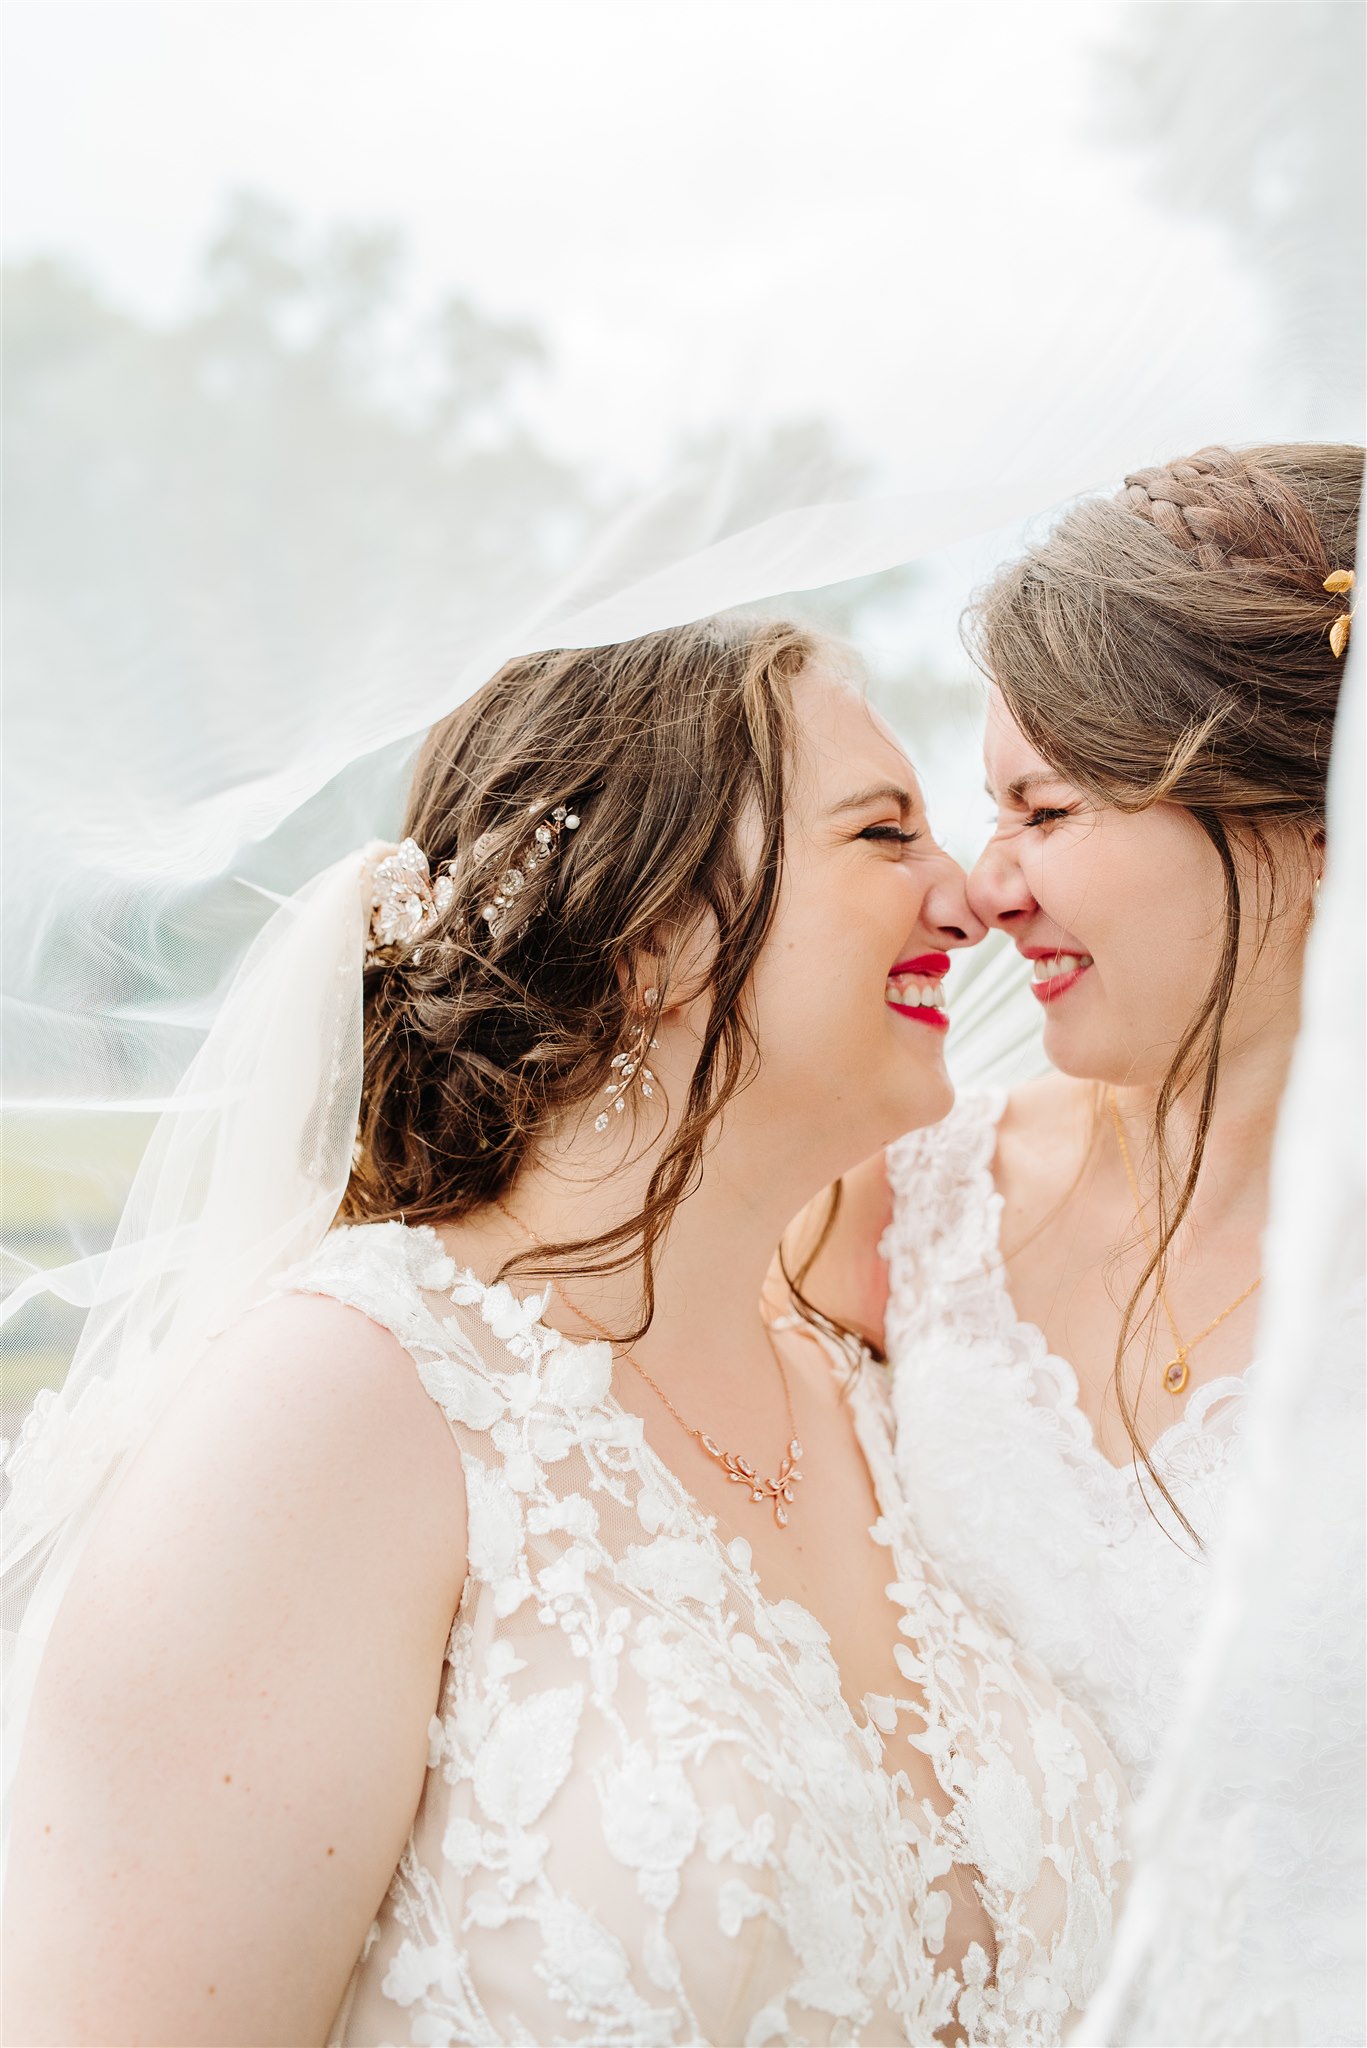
<point>292,481</point>
<point>64,1182</point>
<point>275,485</point>
<point>1284,85</point>
<point>234,491</point>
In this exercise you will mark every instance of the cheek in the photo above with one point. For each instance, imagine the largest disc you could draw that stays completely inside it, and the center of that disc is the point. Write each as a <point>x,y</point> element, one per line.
<point>859,924</point>
<point>1144,894</point>
<point>1075,879</point>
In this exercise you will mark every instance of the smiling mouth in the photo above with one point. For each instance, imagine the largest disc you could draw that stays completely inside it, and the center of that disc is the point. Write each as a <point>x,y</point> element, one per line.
<point>1053,974</point>
<point>915,988</point>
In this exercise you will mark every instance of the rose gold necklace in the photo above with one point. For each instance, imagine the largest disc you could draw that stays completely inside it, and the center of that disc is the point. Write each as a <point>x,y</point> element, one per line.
<point>738,1470</point>
<point>1175,1373</point>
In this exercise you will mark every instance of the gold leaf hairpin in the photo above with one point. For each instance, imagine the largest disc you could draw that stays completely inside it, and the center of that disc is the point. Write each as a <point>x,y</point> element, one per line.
<point>1338,585</point>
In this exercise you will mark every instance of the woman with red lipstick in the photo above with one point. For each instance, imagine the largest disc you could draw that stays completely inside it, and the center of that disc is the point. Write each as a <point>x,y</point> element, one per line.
<point>507,1634</point>
<point>1166,673</point>
<point>1070,1270</point>
<point>1069,1275</point>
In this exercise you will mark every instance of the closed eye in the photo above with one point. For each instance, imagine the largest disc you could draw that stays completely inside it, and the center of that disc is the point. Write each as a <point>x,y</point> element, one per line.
<point>891,833</point>
<point>1044,817</point>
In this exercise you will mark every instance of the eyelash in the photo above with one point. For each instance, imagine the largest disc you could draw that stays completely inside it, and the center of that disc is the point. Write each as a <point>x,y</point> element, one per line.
<point>1045,817</point>
<point>890,832</point>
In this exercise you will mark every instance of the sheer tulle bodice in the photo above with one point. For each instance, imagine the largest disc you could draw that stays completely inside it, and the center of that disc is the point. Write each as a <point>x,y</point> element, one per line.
<point>650,1814</point>
<point>1010,1491</point>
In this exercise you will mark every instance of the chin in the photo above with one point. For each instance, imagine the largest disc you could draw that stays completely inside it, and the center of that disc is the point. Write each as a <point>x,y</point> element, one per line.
<point>1087,1059</point>
<point>931,1100</point>
<point>1085,1063</point>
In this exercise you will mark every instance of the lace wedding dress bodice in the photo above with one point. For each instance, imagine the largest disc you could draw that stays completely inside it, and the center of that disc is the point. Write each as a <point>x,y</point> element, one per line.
<point>649,1814</point>
<point>1009,1489</point>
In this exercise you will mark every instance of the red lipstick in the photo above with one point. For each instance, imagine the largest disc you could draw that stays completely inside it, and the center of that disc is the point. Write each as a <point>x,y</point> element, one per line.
<point>932,967</point>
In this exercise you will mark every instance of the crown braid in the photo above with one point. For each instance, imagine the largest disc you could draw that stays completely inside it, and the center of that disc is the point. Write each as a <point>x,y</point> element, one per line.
<point>1174,644</point>
<point>1229,512</point>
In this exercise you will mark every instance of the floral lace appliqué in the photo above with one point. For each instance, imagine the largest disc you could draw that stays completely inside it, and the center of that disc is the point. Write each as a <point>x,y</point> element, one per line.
<point>649,1814</point>
<point>1010,1491</point>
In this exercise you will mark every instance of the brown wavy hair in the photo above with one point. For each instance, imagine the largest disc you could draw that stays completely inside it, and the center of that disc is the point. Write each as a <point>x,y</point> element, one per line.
<point>477,1042</point>
<point>1171,645</point>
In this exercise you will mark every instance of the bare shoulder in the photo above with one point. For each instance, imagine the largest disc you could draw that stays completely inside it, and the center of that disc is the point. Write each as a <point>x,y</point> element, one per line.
<point>321,1378</point>
<point>303,1399</point>
<point>230,1722</point>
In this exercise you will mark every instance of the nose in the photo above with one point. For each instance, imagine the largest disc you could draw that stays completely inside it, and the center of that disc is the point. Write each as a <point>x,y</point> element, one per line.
<point>947,911</point>
<point>997,891</point>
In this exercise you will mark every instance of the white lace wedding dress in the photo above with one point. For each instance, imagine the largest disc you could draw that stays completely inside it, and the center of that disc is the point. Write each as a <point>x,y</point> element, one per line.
<point>649,1815</point>
<point>1065,1550</point>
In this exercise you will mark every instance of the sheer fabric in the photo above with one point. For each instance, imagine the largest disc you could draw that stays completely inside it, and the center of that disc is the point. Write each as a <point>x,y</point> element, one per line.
<point>1011,1492</point>
<point>650,1814</point>
<point>1244,1920</point>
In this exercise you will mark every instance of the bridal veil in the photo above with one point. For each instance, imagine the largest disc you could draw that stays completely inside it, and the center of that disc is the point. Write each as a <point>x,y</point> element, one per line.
<point>188,806</point>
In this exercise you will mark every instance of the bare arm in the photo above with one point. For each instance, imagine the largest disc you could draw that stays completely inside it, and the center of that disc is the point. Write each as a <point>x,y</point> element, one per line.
<point>847,1278</point>
<point>229,1729</point>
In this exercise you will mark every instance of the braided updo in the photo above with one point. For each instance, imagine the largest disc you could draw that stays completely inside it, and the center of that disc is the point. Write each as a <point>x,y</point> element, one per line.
<point>477,1041</point>
<point>1233,511</point>
<point>1177,644</point>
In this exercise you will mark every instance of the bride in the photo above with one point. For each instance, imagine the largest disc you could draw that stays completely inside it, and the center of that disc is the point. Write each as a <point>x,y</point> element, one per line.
<point>462,1660</point>
<point>1071,1268</point>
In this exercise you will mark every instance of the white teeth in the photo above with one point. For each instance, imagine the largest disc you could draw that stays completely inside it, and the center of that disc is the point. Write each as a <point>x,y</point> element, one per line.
<point>915,995</point>
<point>1056,964</point>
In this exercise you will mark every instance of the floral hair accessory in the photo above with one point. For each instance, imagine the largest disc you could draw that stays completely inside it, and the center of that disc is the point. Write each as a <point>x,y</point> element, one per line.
<point>405,899</point>
<point>1338,585</point>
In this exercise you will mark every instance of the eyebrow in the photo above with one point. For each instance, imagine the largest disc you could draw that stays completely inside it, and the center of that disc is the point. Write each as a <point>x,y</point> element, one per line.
<point>877,793</point>
<point>1017,789</point>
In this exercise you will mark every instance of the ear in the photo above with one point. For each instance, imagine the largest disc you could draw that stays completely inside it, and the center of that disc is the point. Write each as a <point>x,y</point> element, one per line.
<point>673,971</point>
<point>641,980</point>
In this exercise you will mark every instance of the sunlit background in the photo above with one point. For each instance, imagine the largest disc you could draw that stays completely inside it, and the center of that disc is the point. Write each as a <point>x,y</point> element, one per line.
<point>339,338</point>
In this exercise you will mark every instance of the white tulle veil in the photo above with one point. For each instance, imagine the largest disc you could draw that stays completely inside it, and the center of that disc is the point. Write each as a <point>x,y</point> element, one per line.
<point>193,774</point>
<point>1266,1755</point>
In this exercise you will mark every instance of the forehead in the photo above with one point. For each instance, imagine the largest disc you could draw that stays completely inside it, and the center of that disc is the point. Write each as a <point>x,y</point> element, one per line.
<point>1007,753</point>
<point>845,745</point>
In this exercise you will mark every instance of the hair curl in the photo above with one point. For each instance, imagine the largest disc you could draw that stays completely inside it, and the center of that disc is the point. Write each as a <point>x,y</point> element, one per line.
<point>478,1041</point>
<point>1171,645</point>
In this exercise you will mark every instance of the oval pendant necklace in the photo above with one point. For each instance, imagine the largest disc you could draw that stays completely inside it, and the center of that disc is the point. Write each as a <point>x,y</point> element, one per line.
<point>778,1491</point>
<point>1176,1372</point>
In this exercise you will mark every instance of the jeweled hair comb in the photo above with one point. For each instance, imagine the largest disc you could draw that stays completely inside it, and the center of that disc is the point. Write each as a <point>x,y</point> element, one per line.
<point>407,901</point>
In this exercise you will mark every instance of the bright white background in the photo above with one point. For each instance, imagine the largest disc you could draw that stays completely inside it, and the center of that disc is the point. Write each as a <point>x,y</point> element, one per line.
<point>339,335</point>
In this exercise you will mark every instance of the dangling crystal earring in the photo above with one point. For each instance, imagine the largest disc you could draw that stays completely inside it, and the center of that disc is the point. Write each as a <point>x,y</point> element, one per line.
<point>628,1065</point>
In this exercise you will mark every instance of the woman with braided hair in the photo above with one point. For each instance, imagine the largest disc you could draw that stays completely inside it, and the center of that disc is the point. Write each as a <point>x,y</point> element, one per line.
<point>1065,1274</point>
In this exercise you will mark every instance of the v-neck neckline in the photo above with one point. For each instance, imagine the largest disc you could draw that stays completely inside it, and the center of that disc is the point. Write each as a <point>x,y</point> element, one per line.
<point>655,1471</point>
<point>1191,1421</point>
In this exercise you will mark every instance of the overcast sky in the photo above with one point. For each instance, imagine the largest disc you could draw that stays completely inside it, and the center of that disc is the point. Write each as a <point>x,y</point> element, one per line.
<point>703,207</point>
<point>910,220</point>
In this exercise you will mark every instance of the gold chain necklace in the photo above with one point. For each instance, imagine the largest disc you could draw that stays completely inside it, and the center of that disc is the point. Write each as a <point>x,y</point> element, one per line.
<point>1175,1373</point>
<point>737,1469</point>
